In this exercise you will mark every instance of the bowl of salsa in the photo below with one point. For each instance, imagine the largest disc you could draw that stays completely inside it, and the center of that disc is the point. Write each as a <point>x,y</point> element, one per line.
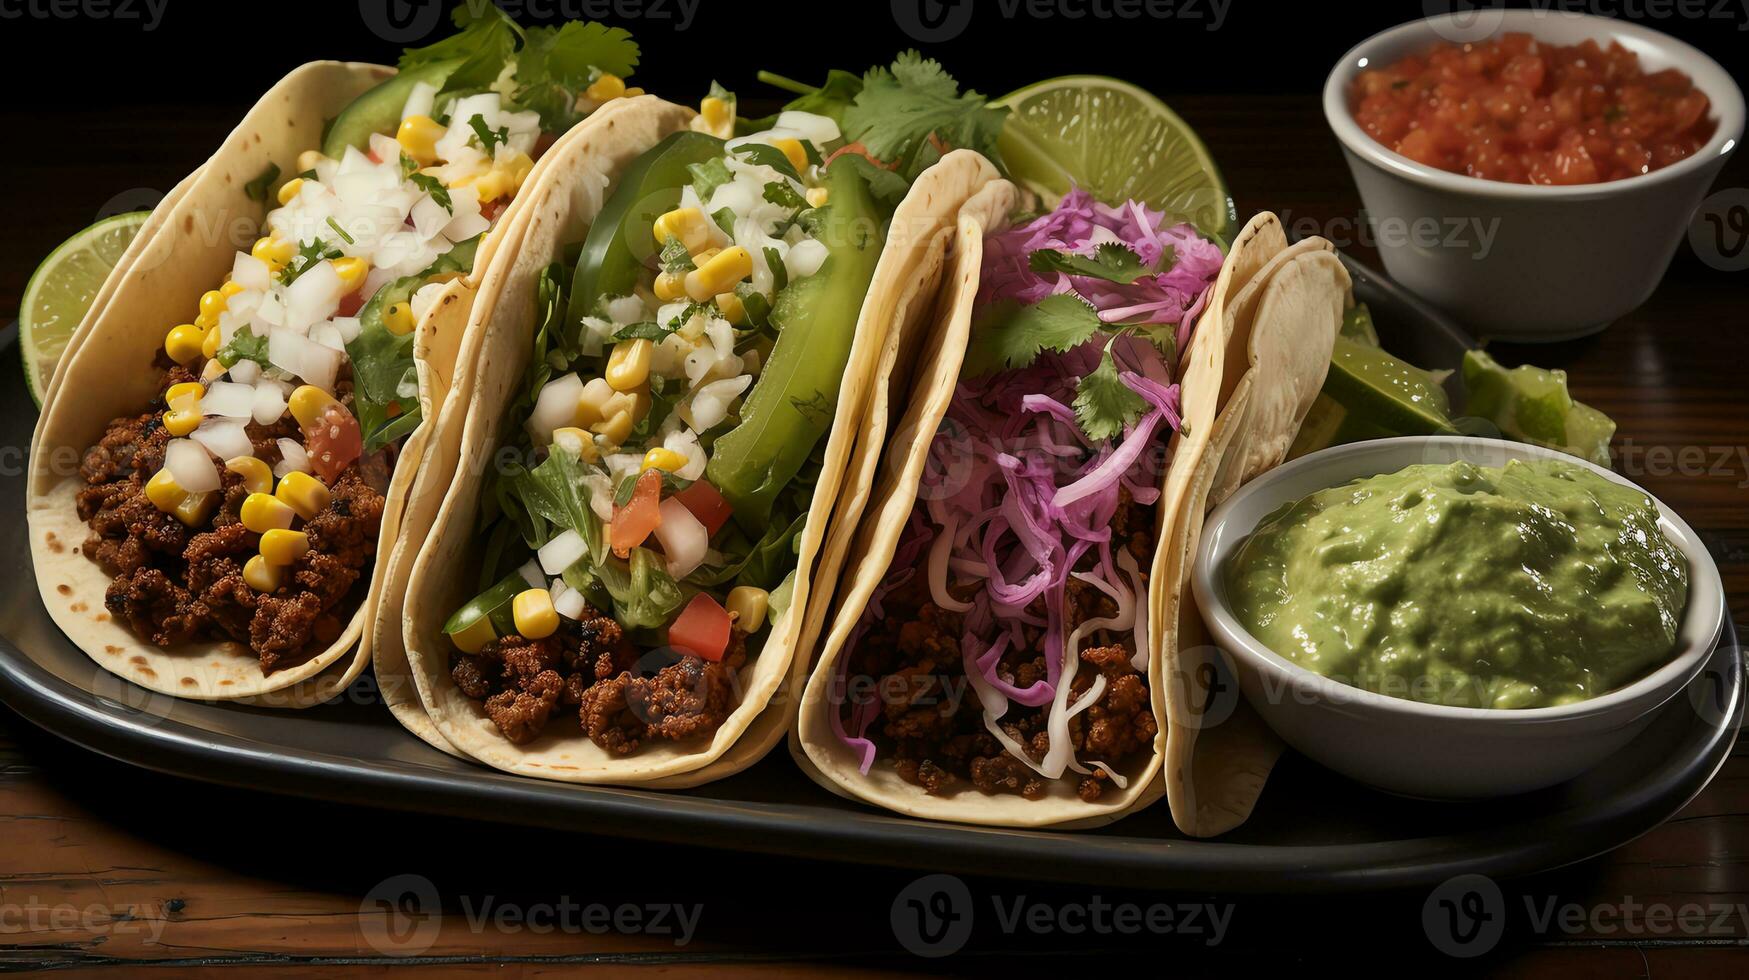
<point>1535,176</point>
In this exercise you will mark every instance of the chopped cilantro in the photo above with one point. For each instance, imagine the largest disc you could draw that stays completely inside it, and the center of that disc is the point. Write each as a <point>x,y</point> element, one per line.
<point>646,330</point>
<point>1008,335</point>
<point>674,257</point>
<point>309,254</point>
<point>899,108</point>
<point>431,185</point>
<point>257,188</point>
<point>784,195</point>
<point>484,137</point>
<point>1104,405</point>
<point>244,346</point>
<point>340,231</point>
<point>1111,262</point>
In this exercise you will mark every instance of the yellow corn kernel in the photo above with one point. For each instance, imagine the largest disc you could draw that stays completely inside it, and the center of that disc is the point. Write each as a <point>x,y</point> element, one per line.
<point>303,493</point>
<point>257,475</point>
<point>633,91</point>
<point>177,392</point>
<point>700,258</point>
<point>213,371</point>
<point>792,148</point>
<point>210,344</point>
<point>747,605</point>
<point>629,364</point>
<point>183,343</point>
<point>398,318</point>
<point>717,113</point>
<point>230,289</point>
<point>616,430</point>
<point>282,547</point>
<point>212,303</point>
<point>605,89</point>
<point>163,492</point>
<point>262,512</point>
<point>663,459</point>
<point>818,196</point>
<point>262,576</point>
<point>635,403</point>
<point>474,638</point>
<point>592,403</point>
<point>289,189</point>
<point>518,165</point>
<point>494,184</point>
<point>534,614</point>
<point>352,272</point>
<point>196,508</point>
<point>670,286</point>
<point>274,251</point>
<point>576,440</point>
<point>689,225</point>
<point>182,421</point>
<point>719,274</point>
<point>418,135</point>
<point>310,159</point>
<point>308,403</point>
<point>731,308</point>
<point>205,322</point>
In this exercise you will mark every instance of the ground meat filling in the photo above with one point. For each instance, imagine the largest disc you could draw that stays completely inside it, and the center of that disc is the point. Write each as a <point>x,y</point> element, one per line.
<point>173,584</point>
<point>623,699</point>
<point>931,725</point>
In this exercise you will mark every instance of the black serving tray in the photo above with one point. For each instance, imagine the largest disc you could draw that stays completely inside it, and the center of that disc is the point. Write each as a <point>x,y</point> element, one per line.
<point>1312,831</point>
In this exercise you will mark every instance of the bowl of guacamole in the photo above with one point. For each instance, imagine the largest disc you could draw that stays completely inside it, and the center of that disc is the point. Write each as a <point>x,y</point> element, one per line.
<point>1456,617</point>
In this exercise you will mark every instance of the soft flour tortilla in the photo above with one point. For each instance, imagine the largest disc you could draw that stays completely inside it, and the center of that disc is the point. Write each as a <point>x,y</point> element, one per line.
<point>442,453</point>
<point>108,373</point>
<point>815,745</point>
<point>1279,307</point>
<point>559,212</point>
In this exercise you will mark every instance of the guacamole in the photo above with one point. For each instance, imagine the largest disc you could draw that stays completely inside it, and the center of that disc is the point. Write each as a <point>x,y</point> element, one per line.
<point>1537,584</point>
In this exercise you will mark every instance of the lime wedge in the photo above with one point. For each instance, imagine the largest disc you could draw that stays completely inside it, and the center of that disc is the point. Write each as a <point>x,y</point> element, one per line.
<point>61,290</point>
<point>1385,391</point>
<point>1117,141</point>
<point>1532,404</point>
<point>1357,326</point>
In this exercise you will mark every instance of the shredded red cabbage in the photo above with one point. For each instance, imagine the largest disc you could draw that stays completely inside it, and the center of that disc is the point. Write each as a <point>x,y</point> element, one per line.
<point>1016,499</point>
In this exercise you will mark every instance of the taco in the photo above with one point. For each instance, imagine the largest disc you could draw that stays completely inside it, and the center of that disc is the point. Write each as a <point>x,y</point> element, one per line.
<point>997,657</point>
<point>226,451</point>
<point>647,518</point>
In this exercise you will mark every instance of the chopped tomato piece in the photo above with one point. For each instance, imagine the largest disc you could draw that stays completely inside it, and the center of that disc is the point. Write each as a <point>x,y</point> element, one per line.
<point>641,515</point>
<point>493,208</point>
<point>706,504</point>
<point>333,443</point>
<point>701,629</point>
<point>351,303</point>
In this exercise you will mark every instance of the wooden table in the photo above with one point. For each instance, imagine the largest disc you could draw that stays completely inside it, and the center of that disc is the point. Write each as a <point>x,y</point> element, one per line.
<point>102,864</point>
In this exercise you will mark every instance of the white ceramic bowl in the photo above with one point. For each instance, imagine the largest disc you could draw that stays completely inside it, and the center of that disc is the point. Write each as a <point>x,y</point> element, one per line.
<point>1521,261</point>
<point>1431,750</point>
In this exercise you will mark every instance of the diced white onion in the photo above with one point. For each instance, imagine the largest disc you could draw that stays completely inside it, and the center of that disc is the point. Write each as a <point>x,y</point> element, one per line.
<point>348,326</point>
<point>329,337</point>
<point>684,539</point>
<point>190,466</point>
<point>569,603</point>
<point>269,403</point>
<point>623,310</point>
<point>555,406</point>
<point>710,403</point>
<point>250,272</point>
<point>530,573</point>
<point>313,297</point>
<point>813,127</point>
<point>424,298</point>
<point>293,459</point>
<point>303,358</point>
<point>561,552</point>
<point>600,487</point>
<point>419,100</point>
<point>429,217</point>
<point>229,399</point>
<point>246,372</point>
<point>685,442</point>
<point>224,438</point>
<point>805,258</point>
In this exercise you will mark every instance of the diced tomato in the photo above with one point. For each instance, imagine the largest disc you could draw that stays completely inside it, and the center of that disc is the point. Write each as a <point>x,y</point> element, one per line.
<point>493,208</point>
<point>701,629</point>
<point>706,504</point>
<point>333,443</point>
<point>641,515</point>
<point>351,303</point>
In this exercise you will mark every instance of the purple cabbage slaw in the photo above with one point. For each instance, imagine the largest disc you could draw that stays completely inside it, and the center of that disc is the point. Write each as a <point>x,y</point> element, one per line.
<point>1016,500</point>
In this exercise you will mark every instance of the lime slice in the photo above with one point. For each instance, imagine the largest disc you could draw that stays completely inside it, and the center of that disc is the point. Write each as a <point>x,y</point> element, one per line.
<point>1386,391</point>
<point>1357,326</point>
<point>1532,404</point>
<point>1117,141</point>
<point>61,290</point>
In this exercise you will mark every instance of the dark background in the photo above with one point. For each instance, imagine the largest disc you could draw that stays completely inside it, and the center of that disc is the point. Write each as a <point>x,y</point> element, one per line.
<point>92,97</point>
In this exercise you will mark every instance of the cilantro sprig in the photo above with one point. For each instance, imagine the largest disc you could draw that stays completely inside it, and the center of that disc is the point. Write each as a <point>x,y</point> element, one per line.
<point>309,254</point>
<point>1111,262</point>
<point>485,136</point>
<point>1104,405</point>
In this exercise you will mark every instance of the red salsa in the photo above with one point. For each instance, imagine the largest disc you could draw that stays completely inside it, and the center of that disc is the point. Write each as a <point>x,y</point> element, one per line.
<point>1518,110</point>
